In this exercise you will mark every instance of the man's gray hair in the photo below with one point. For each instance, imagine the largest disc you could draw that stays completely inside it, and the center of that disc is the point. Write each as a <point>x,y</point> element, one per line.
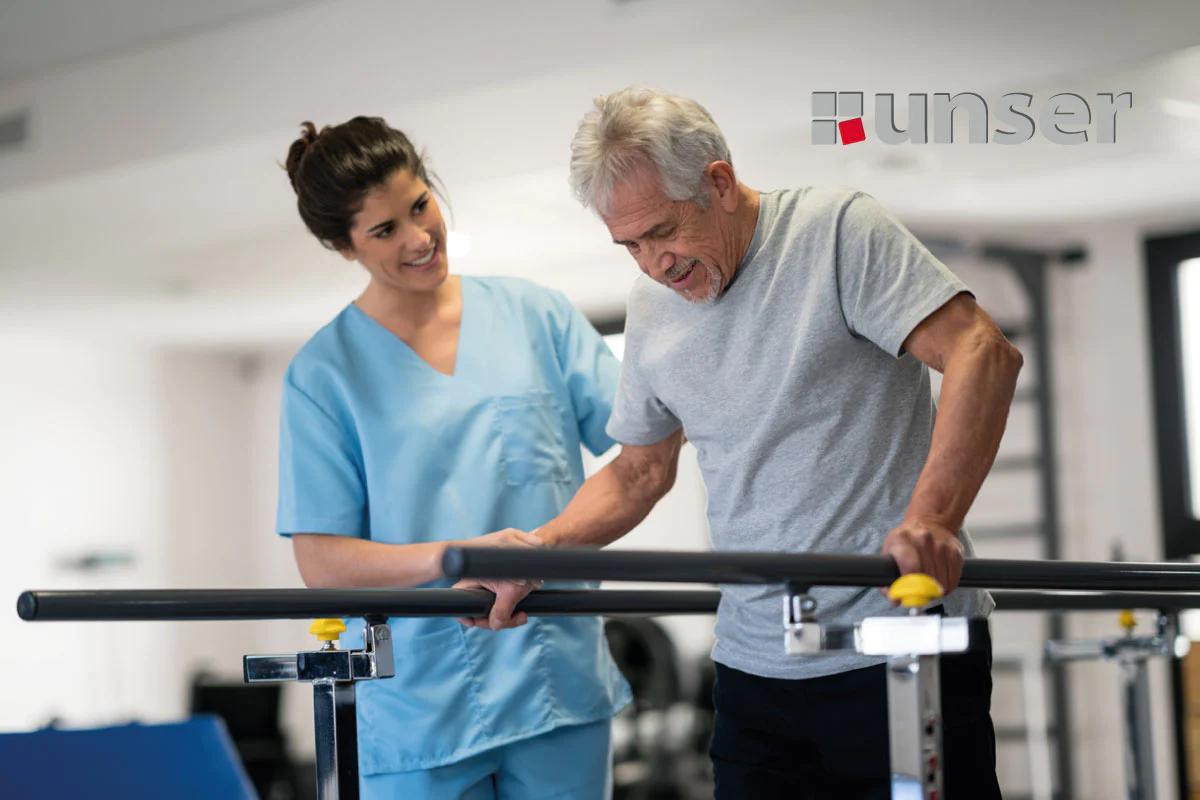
<point>635,127</point>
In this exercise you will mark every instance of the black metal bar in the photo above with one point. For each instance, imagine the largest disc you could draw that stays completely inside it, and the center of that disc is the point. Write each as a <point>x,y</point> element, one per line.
<point>670,566</point>
<point>239,604</point>
<point>231,604</point>
<point>813,569</point>
<point>1029,266</point>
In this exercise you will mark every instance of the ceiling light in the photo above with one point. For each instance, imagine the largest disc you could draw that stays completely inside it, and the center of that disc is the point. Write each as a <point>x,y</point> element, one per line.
<point>458,244</point>
<point>1180,108</point>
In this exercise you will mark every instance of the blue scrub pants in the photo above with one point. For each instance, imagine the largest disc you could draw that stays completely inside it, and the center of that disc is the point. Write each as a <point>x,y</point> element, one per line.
<point>571,763</point>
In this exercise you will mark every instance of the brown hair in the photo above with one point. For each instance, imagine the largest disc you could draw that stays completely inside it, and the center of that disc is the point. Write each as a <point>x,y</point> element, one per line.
<point>333,169</point>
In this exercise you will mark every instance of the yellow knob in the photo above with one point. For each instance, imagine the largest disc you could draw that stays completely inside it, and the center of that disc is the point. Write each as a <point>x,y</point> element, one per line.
<point>327,630</point>
<point>915,590</point>
<point>1126,620</point>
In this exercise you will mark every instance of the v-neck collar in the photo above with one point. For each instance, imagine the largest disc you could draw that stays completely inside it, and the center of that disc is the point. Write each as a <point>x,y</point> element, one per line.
<point>412,354</point>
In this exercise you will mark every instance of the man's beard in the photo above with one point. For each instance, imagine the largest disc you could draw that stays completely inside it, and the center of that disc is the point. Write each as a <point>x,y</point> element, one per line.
<point>715,282</point>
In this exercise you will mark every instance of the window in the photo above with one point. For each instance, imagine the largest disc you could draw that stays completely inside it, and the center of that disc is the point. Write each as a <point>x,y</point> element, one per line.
<point>1173,272</point>
<point>1188,308</point>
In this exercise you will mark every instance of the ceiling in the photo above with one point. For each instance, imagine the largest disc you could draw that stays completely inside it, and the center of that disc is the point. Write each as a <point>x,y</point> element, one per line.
<point>149,203</point>
<point>41,35</point>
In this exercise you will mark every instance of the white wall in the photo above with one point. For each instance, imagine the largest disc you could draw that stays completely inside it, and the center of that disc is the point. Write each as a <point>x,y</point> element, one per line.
<point>83,471</point>
<point>145,453</point>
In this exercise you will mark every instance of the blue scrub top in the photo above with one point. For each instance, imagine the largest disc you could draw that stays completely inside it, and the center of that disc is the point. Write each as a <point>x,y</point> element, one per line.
<point>377,444</point>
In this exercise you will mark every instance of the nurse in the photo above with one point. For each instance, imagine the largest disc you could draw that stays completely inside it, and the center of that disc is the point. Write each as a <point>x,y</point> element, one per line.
<point>431,407</point>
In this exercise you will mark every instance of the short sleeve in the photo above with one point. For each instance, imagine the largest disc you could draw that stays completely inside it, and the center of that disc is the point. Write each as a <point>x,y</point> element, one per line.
<point>590,371</point>
<point>888,282</point>
<point>639,417</point>
<point>321,488</point>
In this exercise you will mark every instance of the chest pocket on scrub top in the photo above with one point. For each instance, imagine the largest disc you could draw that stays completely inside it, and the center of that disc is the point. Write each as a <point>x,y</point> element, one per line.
<point>531,438</point>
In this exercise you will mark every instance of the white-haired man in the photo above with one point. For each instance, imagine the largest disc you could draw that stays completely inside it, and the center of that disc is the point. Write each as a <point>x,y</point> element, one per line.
<point>789,334</point>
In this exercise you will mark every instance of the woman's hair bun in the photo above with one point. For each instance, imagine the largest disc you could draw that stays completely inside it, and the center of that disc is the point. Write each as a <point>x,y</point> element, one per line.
<point>295,154</point>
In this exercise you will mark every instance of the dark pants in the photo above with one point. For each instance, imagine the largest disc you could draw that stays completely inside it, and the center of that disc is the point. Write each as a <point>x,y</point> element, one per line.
<point>827,737</point>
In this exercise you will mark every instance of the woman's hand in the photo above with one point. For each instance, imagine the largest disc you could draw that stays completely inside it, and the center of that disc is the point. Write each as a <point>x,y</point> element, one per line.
<point>508,593</point>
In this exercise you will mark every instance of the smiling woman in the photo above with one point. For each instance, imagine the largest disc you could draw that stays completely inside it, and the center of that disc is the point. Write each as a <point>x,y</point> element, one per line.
<point>435,410</point>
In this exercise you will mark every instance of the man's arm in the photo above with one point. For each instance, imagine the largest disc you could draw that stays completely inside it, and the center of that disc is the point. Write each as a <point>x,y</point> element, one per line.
<point>608,506</point>
<point>614,500</point>
<point>979,368</point>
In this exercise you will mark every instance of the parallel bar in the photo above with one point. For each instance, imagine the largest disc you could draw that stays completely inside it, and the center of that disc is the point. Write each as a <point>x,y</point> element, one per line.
<point>1016,463</point>
<point>231,604</point>
<point>1139,744</point>
<point>811,569</point>
<point>239,604</point>
<point>1015,530</point>
<point>669,566</point>
<point>1025,394</point>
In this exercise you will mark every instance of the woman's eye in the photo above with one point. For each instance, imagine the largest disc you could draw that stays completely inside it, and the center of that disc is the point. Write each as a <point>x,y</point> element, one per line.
<point>420,206</point>
<point>386,233</point>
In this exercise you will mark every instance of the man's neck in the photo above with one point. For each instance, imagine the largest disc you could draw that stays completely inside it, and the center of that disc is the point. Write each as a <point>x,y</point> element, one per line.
<point>745,223</point>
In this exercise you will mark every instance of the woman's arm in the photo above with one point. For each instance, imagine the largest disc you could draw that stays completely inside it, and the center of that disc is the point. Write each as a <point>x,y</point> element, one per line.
<point>327,561</point>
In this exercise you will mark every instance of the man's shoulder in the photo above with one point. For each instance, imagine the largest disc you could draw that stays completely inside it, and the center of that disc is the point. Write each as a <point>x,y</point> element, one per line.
<point>813,218</point>
<point>813,202</point>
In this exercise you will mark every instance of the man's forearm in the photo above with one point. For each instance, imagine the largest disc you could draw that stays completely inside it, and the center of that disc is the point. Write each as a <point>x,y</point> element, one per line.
<point>977,390</point>
<point>610,503</point>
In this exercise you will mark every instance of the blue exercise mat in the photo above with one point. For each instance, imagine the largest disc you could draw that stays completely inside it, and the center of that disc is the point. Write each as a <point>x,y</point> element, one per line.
<point>182,761</point>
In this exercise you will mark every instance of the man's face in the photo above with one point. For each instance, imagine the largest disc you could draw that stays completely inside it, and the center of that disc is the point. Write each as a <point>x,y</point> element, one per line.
<point>676,242</point>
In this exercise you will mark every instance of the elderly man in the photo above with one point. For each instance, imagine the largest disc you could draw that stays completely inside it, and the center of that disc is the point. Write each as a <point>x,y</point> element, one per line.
<point>789,335</point>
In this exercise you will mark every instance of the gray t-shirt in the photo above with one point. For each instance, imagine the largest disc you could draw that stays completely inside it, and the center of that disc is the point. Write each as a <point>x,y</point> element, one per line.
<point>811,426</point>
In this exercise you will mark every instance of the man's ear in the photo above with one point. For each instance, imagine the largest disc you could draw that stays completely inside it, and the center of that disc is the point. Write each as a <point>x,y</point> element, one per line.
<point>722,184</point>
<point>347,253</point>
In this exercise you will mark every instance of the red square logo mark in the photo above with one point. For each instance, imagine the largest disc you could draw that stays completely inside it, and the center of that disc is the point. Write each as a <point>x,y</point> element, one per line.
<point>851,131</point>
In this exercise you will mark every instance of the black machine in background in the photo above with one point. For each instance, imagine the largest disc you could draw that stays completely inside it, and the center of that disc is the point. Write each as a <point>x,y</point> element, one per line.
<point>660,742</point>
<point>252,715</point>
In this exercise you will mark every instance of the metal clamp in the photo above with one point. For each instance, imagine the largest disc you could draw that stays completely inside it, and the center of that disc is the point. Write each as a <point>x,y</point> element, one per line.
<point>1132,654</point>
<point>333,674</point>
<point>802,634</point>
<point>912,645</point>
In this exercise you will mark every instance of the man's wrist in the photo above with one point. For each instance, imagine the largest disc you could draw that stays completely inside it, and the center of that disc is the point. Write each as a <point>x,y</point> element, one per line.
<point>549,534</point>
<point>926,519</point>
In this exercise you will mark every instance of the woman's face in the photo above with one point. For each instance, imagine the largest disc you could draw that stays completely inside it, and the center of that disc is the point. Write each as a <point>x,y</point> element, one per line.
<point>399,235</point>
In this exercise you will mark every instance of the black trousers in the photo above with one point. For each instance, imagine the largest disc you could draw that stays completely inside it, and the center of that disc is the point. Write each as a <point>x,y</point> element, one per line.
<point>827,737</point>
